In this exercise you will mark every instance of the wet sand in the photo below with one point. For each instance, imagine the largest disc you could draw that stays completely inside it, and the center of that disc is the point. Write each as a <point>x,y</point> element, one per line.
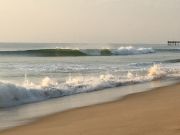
<point>155,112</point>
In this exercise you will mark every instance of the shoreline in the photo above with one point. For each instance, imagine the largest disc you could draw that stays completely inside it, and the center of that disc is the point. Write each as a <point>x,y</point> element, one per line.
<point>138,113</point>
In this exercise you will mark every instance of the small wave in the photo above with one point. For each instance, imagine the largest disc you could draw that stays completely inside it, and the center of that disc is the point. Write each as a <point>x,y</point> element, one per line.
<point>173,50</point>
<point>80,52</point>
<point>172,61</point>
<point>16,94</point>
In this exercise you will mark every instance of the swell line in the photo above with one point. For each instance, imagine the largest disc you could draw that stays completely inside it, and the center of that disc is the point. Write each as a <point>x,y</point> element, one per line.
<point>81,52</point>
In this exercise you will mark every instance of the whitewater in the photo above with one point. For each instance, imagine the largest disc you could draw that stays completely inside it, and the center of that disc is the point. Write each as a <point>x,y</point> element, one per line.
<point>27,92</point>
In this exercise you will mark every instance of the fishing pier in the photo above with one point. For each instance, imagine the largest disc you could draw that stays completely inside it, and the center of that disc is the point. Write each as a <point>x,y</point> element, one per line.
<point>174,43</point>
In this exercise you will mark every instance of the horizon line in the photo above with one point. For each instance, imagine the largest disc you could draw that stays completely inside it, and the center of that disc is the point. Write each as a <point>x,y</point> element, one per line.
<point>15,42</point>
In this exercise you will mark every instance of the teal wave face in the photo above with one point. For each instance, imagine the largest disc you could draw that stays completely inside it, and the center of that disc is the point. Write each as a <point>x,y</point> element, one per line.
<point>56,52</point>
<point>106,52</point>
<point>46,52</point>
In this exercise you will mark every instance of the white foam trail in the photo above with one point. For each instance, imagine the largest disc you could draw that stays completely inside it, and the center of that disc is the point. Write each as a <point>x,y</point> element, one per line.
<point>129,50</point>
<point>16,94</point>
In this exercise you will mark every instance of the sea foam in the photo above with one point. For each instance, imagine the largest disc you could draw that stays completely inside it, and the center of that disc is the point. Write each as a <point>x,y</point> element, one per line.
<point>129,50</point>
<point>12,94</point>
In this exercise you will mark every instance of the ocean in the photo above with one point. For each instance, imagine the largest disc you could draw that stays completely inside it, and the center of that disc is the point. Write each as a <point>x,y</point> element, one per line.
<point>37,79</point>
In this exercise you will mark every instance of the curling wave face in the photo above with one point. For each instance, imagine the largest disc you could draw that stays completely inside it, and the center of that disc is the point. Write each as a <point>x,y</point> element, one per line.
<point>15,94</point>
<point>128,50</point>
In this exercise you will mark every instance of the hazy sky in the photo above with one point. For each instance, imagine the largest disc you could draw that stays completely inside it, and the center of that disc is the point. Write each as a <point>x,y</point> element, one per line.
<point>127,21</point>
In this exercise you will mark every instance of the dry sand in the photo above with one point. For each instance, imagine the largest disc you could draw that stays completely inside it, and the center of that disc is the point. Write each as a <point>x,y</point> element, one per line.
<point>154,112</point>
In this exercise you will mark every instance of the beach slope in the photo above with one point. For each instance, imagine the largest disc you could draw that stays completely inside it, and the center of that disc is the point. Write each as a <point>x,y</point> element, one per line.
<point>155,112</point>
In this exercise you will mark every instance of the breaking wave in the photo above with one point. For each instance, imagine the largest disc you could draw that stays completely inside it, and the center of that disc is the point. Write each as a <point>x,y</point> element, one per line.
<point>16,94</point>
<point>81,52</point>
<point>132,51</point>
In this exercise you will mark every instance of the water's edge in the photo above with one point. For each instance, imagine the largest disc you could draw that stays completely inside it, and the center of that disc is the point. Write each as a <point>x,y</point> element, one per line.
<point>73,102</point>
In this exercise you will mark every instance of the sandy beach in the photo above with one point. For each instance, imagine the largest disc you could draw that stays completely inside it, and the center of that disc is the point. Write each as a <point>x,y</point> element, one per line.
<point>155,112</point>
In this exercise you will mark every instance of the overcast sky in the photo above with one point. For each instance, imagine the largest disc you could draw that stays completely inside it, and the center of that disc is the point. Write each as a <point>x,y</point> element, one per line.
<point>125,21</point>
